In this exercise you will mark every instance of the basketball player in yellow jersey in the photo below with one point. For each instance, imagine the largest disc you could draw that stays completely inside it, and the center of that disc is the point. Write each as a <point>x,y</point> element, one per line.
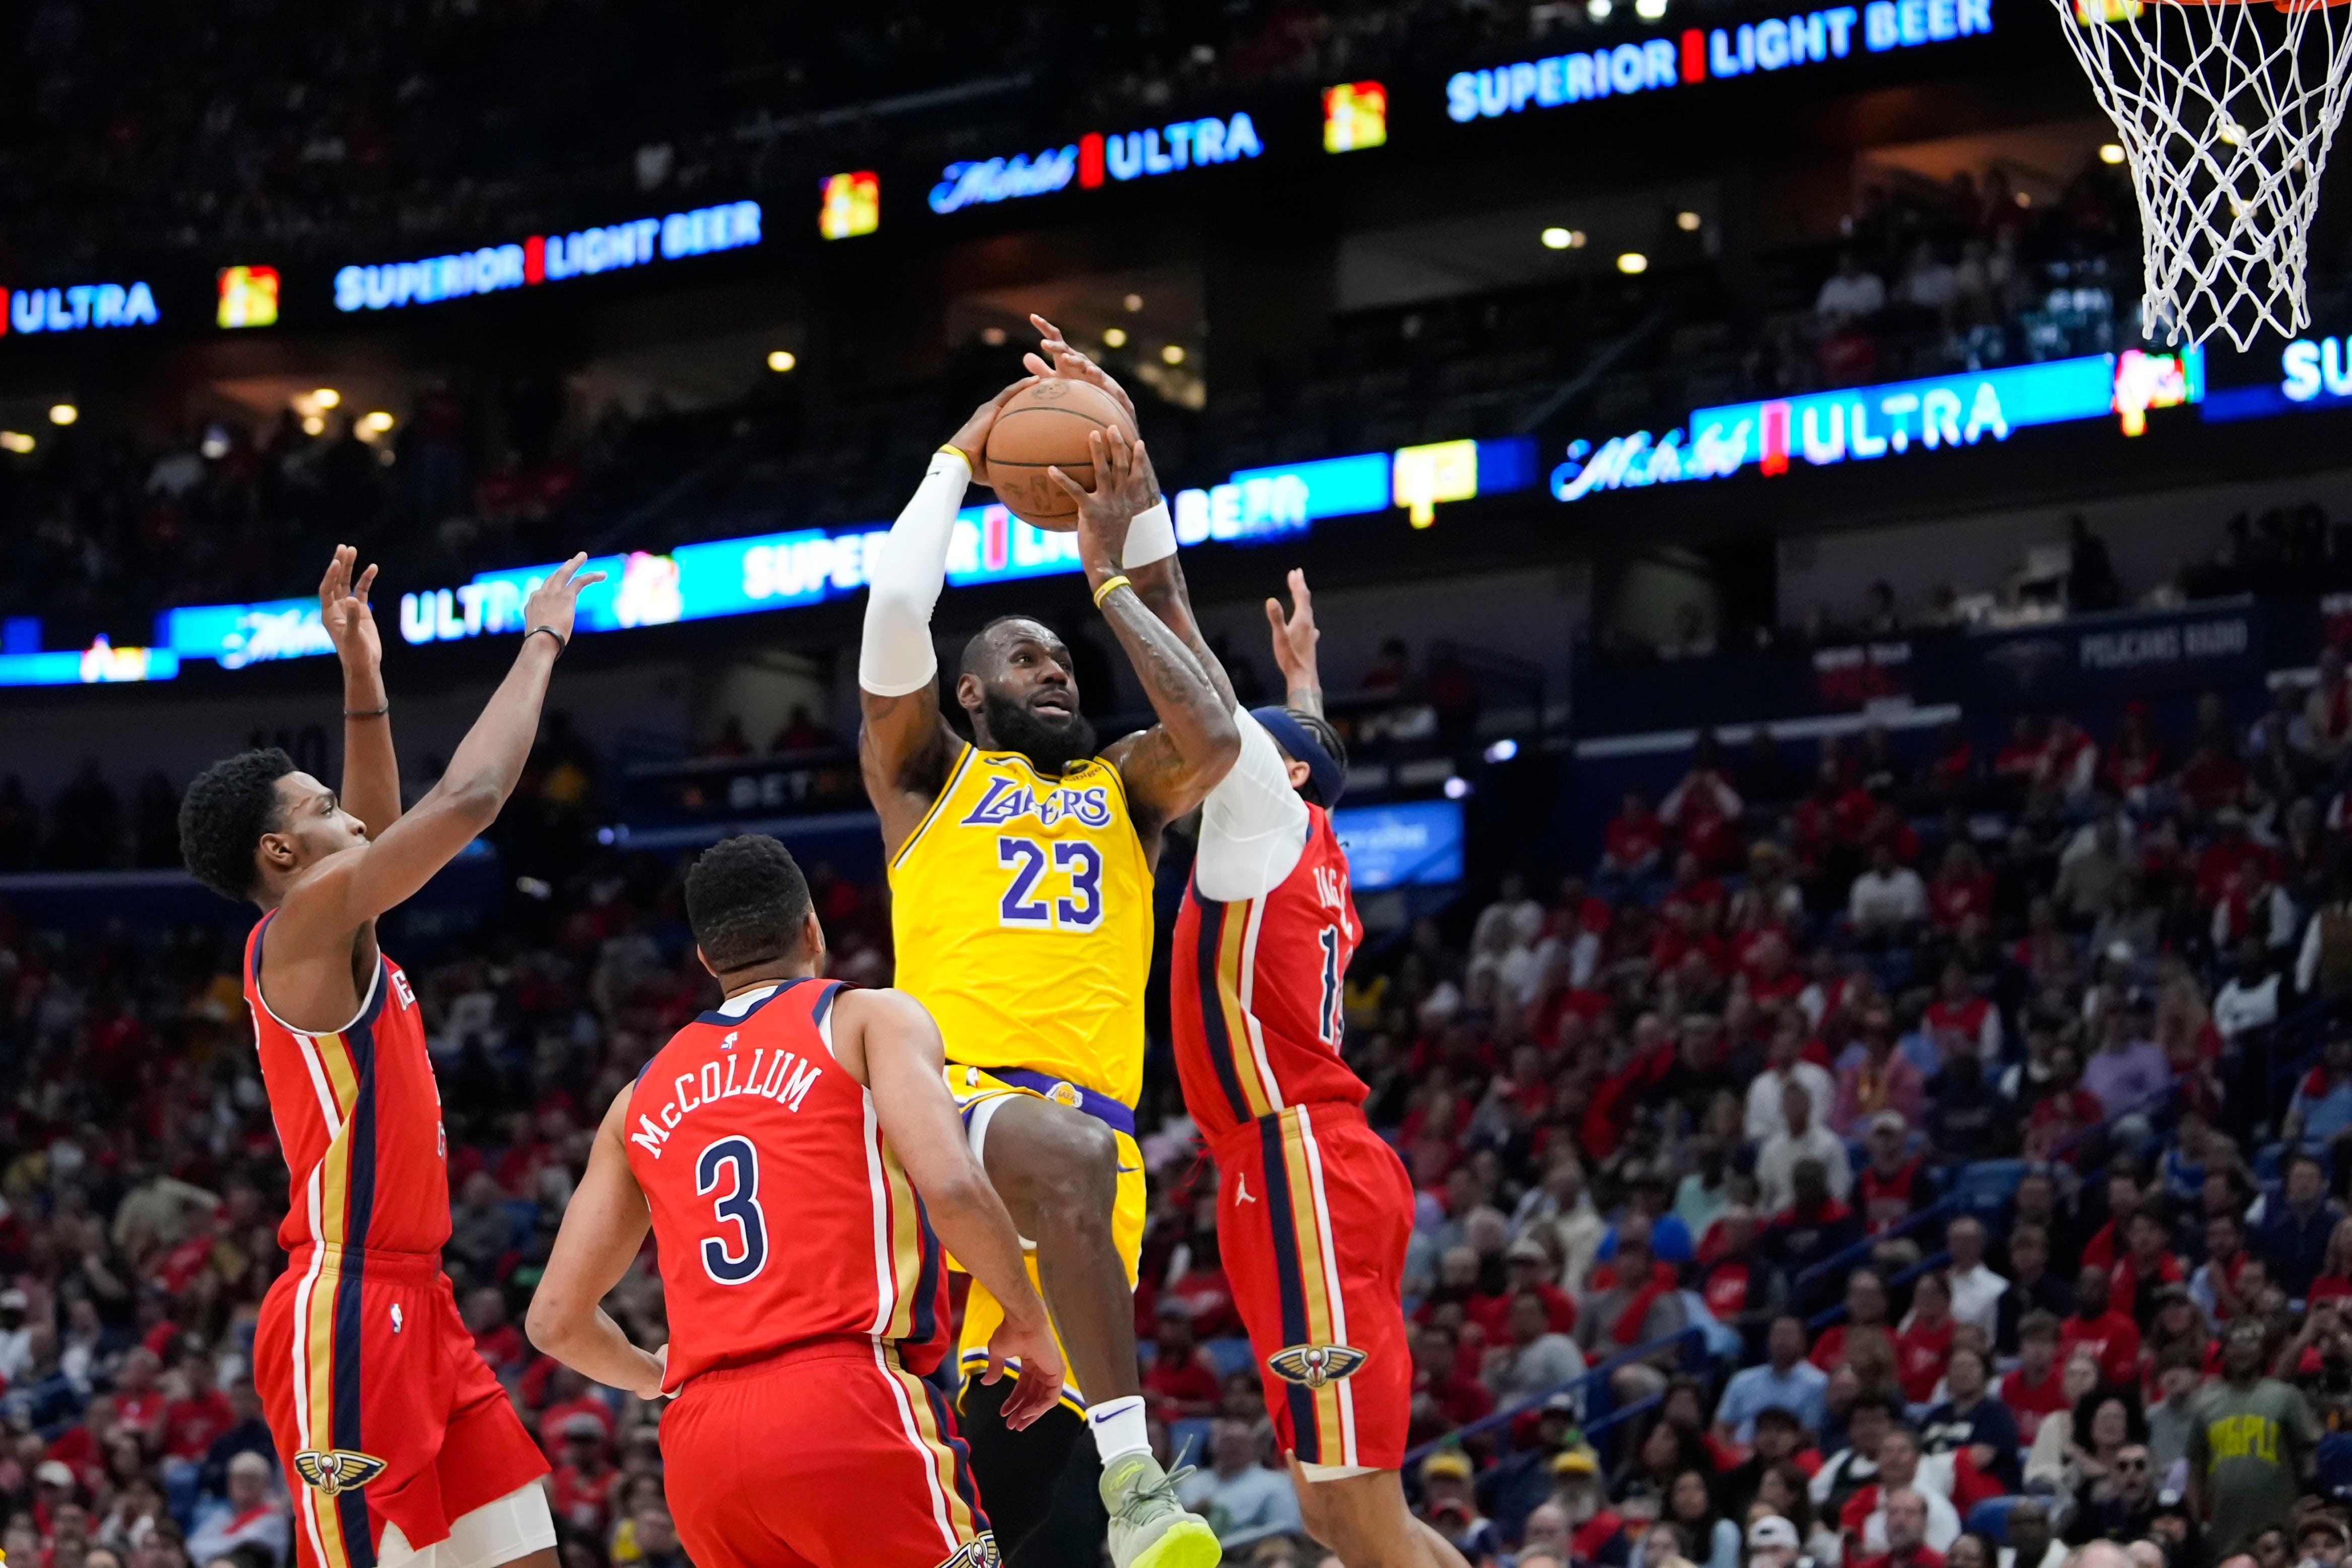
<point>1021,881</point>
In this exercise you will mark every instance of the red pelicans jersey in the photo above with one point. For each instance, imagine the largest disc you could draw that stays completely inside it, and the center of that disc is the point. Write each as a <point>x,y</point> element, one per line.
<point>1254,995</point>
<point>359,1118</point>
<point>781,1215</point>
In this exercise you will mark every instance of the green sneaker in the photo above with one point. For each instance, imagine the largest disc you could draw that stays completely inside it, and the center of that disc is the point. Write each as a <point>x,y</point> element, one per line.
<point>1149,1527</point>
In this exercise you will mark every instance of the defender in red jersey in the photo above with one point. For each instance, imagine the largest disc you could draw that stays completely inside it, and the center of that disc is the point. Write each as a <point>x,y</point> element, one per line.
<point>1314,1210</point>
<point>395,1438</point>
<point>790,1150</point>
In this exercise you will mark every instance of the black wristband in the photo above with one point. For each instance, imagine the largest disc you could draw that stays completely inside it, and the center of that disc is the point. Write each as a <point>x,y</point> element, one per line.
<point>560,644</point>
<point>367,712</point>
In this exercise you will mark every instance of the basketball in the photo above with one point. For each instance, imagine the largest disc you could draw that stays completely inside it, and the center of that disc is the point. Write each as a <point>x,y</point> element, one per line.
<point>1046,427</point>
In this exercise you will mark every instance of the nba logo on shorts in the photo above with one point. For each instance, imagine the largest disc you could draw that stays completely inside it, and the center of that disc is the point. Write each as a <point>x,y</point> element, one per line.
<point>337,1470</point>
<point>1313,1365</point>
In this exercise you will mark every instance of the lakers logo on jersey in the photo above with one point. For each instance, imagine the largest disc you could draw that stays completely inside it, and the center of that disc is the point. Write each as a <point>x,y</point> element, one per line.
<point>1021,907</point>
<point>337,1470</point>
<point>1313,1365</point>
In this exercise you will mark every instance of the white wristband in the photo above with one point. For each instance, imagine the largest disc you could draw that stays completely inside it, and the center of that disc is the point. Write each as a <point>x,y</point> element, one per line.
<point>1150,536</point>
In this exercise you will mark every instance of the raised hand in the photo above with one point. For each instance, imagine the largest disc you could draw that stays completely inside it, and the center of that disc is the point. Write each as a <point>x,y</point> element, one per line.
<point>1295,635</point>
<point>344,610</point>
<point>1123,487</point>
<point>971,439</point>
<point>1067,363</point>
<point>552,602</point>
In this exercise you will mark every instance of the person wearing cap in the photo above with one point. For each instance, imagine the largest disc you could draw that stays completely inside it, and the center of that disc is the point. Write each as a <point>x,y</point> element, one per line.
<point>1894,1184</point>
<point>1597,1532</point>
<point>253,1514</point>
<point>1450,1505</point>
<point>2321,1538</point>
<point>1314,1211</point>
<point>1772,1543</point>
<point>1523,1478</point>
<point>1528,1269</point>
<point>1786,1380</point>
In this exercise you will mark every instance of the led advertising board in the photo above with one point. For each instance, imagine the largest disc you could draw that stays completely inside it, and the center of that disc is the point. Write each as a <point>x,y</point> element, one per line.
<point>1119,156</point>
<point>547,259</point>
<point>77,307</point>
<point>1862,424</point>
<point>1417,844</point>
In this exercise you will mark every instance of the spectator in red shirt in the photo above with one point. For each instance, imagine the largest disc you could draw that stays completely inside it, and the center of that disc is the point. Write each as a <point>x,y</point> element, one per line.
<point>1633,845</point>
<point>580,1491</point>
<point>1865,1306</point>
<point>1181,1383</point>
<point>2037,1387</point>
<point>569,1396</point>
<point>2067,1109</point>
<point>1962,887</point>
<point>1923,1344</point>
<point>139,1402</point>
<point>1530,1268</point>
<point>1444,1396</point>
<point>500,1343</point>
<point>199,1415</point>
<point>2111,1336</point>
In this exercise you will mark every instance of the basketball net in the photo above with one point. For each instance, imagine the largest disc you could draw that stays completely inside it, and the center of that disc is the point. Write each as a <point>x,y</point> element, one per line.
<point>2225,112</point>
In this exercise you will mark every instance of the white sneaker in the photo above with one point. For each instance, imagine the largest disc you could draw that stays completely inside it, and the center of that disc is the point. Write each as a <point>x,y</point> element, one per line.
<point>1149,1527</point>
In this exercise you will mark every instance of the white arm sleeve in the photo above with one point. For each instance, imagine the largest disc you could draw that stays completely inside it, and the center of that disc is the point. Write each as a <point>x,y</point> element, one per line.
<point>896,657</point>
<point>1253,825</point>
<point>1150,536</point>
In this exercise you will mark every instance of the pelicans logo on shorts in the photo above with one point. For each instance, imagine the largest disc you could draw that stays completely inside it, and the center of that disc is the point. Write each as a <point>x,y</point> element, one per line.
<point>978,1553</point>
<point>1313,1365</point>
<point>337,1470</point>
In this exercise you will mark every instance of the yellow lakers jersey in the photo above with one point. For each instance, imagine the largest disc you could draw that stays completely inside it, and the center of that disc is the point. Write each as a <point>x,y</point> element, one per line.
<point>1022,909</point>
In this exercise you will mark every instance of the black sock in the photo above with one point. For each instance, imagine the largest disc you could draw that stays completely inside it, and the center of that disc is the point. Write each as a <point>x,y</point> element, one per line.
<point>1039,1488</point>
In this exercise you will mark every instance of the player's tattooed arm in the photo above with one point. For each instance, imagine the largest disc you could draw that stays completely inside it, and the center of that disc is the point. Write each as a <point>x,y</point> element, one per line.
<point>1162,588</point>
<point>1171,767</point>
<point>604,1229</point>
<point>370,770</point>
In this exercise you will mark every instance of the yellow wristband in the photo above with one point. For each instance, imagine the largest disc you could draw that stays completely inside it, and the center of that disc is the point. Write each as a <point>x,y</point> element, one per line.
<point>960,452</point>
<point>1110,585</point>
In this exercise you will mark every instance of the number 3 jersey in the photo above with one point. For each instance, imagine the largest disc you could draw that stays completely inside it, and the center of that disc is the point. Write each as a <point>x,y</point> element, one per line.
<point>1254,992</point>
<point>781,1213</point>
<point>1020,906</point>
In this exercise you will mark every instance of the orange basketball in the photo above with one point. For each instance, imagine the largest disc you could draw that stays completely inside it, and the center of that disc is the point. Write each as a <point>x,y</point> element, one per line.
<point>1046,426</point>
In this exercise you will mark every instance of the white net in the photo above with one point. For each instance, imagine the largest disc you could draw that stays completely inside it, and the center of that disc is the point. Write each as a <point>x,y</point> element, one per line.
<point>2225,112</point>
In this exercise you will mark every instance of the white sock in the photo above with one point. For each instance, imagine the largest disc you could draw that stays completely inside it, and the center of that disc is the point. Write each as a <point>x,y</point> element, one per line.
<point>1119,1427</point>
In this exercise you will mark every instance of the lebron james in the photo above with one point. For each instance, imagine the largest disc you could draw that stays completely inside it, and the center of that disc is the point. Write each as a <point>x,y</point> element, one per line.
<point>1021,869</point>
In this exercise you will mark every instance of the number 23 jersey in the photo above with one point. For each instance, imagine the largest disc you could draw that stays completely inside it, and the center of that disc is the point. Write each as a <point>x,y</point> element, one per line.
<point>1020,906</point>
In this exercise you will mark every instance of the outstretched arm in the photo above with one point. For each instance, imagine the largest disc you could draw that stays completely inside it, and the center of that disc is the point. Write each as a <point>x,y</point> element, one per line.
<point>371,771</point>
<point>903,744</point>
<point>355,885</point>
<point>1168,769</point>
<point>1295,637</point>
<point>604,1227</point>
<point>904,1058</point>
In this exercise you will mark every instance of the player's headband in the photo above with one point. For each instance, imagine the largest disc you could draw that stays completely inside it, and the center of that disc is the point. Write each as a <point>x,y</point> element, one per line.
<point>1296,738</point>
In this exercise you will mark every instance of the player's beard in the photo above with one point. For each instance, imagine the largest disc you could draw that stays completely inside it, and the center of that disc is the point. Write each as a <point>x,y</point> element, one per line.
<point>1051,746</point>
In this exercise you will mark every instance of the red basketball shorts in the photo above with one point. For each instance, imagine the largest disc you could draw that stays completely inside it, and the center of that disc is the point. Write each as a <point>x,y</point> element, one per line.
<point>382,1410</point>
<point>830,1455</point>
<point>1313,1215</point>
